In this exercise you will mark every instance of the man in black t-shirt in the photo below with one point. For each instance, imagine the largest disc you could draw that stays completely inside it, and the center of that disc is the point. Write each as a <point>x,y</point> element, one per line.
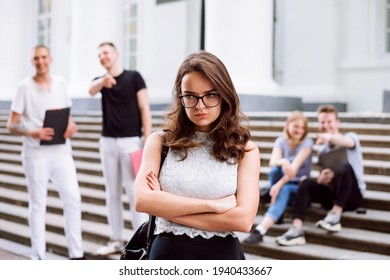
<point>126,118</point>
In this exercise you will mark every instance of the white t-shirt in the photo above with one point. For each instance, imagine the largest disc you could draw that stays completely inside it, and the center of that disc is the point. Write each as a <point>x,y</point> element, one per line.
<point>31,102</point>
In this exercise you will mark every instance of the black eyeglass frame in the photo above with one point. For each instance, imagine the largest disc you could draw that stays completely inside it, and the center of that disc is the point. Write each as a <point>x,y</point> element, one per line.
<point>197,100</point>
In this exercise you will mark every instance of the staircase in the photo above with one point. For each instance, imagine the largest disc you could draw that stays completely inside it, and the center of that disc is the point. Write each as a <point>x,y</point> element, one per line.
<point>364,236</point>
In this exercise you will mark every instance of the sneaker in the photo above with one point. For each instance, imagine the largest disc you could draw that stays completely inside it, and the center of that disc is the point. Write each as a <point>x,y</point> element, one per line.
<point>292,237</point>
<point>254,237</point>
<point>111,248</point>
<point>330,223</point>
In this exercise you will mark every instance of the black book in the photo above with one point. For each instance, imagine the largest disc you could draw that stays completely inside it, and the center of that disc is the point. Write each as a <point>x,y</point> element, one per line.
<point>58,120</point>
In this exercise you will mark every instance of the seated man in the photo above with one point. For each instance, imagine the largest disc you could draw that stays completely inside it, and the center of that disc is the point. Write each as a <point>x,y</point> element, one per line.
<point>336,190</point>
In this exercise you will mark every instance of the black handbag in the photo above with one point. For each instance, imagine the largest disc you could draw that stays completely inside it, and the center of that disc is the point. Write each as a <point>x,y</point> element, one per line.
<point>139,245</point>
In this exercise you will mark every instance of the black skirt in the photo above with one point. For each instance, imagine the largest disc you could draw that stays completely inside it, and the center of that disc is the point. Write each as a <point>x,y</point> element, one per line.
<point>168,246</point>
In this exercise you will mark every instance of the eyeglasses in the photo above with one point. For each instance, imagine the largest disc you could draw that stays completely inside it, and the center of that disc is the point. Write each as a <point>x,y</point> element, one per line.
<point>209,100</point>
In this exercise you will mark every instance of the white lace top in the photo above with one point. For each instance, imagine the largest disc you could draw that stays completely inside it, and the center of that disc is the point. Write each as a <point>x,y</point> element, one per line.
<point>200,175</point>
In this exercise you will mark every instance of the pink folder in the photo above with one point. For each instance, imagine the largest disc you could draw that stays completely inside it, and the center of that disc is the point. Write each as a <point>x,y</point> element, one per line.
<point>136,158</point>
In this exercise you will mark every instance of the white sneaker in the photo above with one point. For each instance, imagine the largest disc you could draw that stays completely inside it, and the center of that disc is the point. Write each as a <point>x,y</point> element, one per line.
<point>111,248</point>
<point>330,223</point>
<point>292,237</point>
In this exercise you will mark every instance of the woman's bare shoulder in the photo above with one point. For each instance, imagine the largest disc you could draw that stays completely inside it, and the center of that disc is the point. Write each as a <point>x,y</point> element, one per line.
<point>250,145</point>
<point>156,137</point>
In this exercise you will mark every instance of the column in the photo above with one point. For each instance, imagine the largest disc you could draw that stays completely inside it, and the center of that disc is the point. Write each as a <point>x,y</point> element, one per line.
<point>16,57</point>
<point>240,33</point>
<point>92,21</point>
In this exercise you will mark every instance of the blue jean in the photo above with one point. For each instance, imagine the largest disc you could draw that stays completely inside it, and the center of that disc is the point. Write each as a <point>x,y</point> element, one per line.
<point>276,210</point>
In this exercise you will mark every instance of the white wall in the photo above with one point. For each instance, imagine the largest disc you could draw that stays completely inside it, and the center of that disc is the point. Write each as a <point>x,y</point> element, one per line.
<point>365,67</point>
<point>61,38</point>
<point>14,47</point>
<point>164,46</point>
<point>311,50</point>
<point>334,51</point>
<point>92,22</point>
<point>241,36</point>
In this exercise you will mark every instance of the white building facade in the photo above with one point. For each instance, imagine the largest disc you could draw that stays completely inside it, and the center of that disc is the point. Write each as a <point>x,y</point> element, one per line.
<point>322,51</point>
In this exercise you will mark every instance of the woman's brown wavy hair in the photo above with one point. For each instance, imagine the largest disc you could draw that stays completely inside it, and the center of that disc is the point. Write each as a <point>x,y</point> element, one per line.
<point>227,133</point>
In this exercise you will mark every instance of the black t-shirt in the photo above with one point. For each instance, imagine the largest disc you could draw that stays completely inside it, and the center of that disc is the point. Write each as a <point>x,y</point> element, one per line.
<point>121,114</point>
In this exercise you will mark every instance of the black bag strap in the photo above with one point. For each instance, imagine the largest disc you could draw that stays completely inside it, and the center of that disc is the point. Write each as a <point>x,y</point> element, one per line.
<point>152,219</point>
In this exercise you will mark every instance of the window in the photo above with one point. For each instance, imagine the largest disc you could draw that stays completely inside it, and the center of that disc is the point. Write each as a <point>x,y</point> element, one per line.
<point>131,29</point>
<point>44,22</point>
<point>388,26</point>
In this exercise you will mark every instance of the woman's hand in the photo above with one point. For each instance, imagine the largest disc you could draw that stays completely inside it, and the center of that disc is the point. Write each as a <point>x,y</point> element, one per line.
<point>218,206</point>
<point>287,167</point>
<point>153,182</point>
<point>274,192</point>
<point>283,163</point>
<point>225,204</point>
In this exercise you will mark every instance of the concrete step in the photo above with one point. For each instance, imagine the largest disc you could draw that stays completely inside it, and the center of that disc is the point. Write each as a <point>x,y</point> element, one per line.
<point>377,200</point>
<point>13,191</point>
<point>11,154</point>
<point>12,163</point>
<point>363,240</point>
<point>359,128</point>
<point>375,219</point>
<point>55,242</point>
<point>15,142</point>
<point>365,139</point>
<point>89,151</point>
<point>363,236</point>
<point>92,230</point>
<point>94,209</point>
<point>374,182</point>
<point>348,117</point>
<point>90,211</point>
<point>376,167</point>
<point>91,125</point>
<point>372,220</point>
<point>309,251</point>
<point>369,153</point>
<point>94,196</point>
<point>10,250</point>
<point>13,250</point>
<point>94,234</point>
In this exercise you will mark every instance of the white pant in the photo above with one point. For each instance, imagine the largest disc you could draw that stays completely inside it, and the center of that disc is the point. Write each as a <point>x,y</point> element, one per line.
<point>115,157</point>
<point>60,169</point>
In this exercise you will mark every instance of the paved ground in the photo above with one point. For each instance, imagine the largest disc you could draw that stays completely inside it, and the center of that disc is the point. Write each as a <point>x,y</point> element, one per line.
<point>5,255</point>
<point>14,251</point>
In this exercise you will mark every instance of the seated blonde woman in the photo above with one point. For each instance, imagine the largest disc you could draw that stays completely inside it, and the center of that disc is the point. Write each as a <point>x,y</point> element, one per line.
<point>290,162</point>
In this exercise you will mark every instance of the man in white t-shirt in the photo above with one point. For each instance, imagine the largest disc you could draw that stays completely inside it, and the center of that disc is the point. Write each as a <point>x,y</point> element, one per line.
<point>42,163</point>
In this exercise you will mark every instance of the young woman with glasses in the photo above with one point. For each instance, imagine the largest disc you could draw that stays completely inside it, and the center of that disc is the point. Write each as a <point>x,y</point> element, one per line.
<point>208,185</point>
